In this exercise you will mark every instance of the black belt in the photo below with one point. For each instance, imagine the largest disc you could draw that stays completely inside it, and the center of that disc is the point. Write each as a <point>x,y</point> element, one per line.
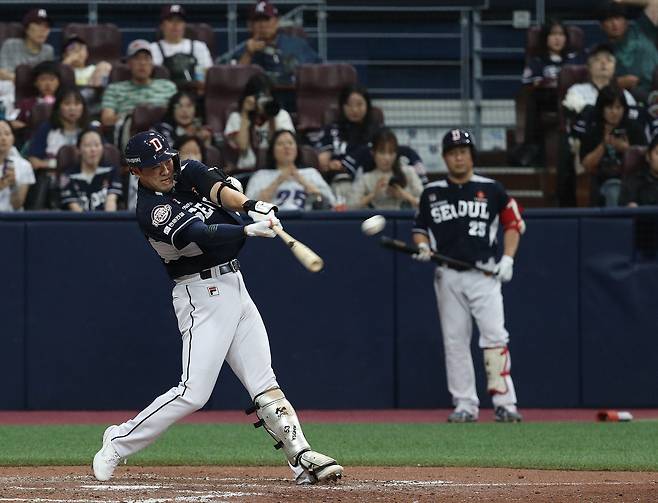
<point>456,267</point>
<point>225,268</point>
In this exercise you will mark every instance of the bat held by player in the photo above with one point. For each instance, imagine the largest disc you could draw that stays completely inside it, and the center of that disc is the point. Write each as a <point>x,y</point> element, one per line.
<point>307,257</point>
<point>402,246</point>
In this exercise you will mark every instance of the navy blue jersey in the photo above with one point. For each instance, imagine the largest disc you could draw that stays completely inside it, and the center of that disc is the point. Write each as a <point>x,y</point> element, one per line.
<point>90,192</point>
<point>461,221</point>
<point>162,216</point>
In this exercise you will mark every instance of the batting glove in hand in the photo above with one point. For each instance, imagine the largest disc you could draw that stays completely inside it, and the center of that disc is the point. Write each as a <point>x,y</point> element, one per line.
<point>262,229</point>
<point>504,269</point>
<point>424,253</point>
<point>259,210</point>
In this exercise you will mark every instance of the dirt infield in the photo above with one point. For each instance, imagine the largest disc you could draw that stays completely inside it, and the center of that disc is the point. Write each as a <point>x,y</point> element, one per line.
<point>360,484</point>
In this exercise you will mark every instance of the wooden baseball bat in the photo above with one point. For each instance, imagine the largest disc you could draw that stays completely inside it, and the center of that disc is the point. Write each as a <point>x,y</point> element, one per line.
<point>399,245</point>
<point>308,258</point>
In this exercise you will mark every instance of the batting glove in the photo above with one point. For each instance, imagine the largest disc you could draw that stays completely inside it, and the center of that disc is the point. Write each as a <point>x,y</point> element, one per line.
<point>259,210</point>
<point>504,269</point>
<point>424,253</point>
<point>262,229</point>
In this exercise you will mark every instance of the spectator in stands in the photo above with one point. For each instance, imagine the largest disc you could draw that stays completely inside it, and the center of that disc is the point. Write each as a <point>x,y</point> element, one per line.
<point>121,98</point>
<point>608,136</point>
<point>578,103</point>
<point>187,60</point>
<point>91,185</point>
<point>391,185</point>
<point>634,43</point>
<point>259,116</point>
<point>286,182</point>
<point>354,129</point>
<point>16,173</point>
<point>46,80</point>
<point>182,119</point>
<point>67,120</point>
<point>190,147</point>
<point>276,52</point>
<point>641,188</point>
<point>540,76</point>
<point>75,54</point>
<point>31,49</point>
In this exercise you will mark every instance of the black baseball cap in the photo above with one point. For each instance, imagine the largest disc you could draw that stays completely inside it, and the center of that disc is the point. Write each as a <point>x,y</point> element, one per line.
<point>611,9</point>
<point>36,16</point>
<point>174,10</point>
<point>263,10</point>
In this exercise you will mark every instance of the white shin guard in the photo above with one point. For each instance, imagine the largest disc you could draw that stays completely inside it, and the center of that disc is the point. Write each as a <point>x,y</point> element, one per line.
<point>279,418</point>
<point>497,366</point>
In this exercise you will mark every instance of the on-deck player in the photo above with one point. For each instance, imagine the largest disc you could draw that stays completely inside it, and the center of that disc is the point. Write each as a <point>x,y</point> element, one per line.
<point>189,215</point>
<point>459,217</point>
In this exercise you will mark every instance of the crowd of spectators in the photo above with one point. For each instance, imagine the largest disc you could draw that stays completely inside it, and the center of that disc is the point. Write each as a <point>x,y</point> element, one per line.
<point>352,161</point>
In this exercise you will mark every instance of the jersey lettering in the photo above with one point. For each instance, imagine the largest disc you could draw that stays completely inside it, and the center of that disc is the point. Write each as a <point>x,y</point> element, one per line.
<point>455,134</point>
<point>157,144</point>
<point>446,212</point>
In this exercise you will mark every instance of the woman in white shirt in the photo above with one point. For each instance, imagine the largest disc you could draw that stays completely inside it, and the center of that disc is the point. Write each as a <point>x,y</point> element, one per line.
<point>285,183</point>
<point>390,186</point>
<point>259,116</point>
<point>16,174</point>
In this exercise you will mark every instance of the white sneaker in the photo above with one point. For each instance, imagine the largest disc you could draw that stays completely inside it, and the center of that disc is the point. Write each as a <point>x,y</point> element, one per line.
<point>107,459</point>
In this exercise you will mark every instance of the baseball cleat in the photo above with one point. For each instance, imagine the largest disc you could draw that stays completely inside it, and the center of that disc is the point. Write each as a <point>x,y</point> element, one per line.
<point>318,468</point>
<point>503,415</point>
<point>462,416</point>
<point>107,459</point>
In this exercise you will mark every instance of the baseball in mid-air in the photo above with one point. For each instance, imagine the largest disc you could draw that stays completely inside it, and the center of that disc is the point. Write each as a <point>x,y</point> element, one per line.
<point>373,225</point>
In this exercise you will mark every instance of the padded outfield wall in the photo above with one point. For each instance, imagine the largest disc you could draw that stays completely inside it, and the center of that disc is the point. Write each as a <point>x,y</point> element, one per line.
<point>87,321</point>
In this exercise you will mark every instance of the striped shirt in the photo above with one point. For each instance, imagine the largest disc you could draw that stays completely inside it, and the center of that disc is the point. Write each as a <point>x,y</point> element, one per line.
<point>124,96</point>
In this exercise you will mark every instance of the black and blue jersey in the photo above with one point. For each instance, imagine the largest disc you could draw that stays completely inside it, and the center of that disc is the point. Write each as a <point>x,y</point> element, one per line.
<point>462,221</point>
<point>90,191</point>
<point>163,217</point>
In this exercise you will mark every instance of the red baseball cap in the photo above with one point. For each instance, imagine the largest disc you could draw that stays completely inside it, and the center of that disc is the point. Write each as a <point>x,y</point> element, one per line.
<point>36,16</point>
<point>263,9</point>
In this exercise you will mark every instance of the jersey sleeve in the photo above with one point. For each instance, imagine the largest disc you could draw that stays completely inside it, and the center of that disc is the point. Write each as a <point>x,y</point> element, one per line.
<point>68,193</point>
<point>258,181</point>
<point>421,223</point>
<point>284,121</point>
<point>162,219</point>
<point>197,176</point>
<point>232,124</point>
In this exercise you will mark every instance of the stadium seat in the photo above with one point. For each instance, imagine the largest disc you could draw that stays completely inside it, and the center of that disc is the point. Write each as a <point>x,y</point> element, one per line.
<point>120,71</point>
<point>213,156</point>
<point>10,30</point>
<point>146,116</point>
<point>532,47</point>
<point>224,84</point>
<point>318,87</point>
<point>25,86</point>
<point>103,40</point>
<point>68,156</point>
<point>309,157</point>
<point>634,159</point>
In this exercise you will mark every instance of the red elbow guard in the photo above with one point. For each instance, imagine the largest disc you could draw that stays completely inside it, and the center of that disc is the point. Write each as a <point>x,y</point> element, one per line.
<point>511,218</point>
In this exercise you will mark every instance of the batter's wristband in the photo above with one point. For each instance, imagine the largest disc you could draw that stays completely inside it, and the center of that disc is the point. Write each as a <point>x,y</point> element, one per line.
<point>252,205</point>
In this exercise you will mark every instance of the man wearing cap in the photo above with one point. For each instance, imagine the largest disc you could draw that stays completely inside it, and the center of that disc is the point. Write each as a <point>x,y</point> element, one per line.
<point>187,60</point>
<point>31,49</point>
<point>121,98</point>
<point>634,43</point>
<point>75,55</point>
<point>277,53</point>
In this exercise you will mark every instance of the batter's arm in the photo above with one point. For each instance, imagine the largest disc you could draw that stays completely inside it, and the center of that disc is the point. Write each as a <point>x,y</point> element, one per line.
<point>511,240</point>
<point>419,238</point>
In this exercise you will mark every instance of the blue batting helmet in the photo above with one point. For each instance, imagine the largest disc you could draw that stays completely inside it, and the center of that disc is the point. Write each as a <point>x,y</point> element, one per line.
<point>457,138</point>
<point>148,149</point>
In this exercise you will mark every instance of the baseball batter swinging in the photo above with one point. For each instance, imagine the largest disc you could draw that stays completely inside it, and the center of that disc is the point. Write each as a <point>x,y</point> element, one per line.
<point>459,217</point>
<point>189,215</point>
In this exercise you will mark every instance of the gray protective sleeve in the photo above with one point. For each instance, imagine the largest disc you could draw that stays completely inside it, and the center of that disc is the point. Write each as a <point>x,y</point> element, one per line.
<point>208,235</point>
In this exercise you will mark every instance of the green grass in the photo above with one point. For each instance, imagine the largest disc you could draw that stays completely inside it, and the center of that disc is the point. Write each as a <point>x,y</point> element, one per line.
<point>571,446</point>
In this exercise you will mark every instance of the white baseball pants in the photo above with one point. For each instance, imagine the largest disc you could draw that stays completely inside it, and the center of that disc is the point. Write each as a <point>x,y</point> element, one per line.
<point>462,296</point>
<point>218,321</point>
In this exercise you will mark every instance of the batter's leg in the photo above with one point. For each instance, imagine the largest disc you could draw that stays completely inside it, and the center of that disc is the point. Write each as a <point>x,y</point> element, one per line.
<point>486,299</point>
<point>457,328</point>
<point>207,324</point>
